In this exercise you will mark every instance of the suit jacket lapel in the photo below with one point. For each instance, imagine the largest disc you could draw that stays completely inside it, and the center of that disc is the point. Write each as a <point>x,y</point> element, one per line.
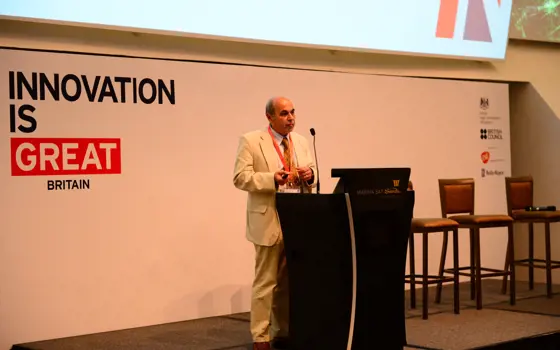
<point>269,152</point>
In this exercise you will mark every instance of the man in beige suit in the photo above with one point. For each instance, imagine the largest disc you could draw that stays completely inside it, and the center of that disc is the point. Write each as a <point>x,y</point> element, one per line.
<point>271,160</point>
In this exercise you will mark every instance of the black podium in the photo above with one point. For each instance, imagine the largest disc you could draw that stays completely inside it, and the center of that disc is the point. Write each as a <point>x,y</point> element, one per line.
<point>346,257</point>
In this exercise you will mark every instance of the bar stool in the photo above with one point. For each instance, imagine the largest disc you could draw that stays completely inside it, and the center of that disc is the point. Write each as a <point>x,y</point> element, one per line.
<point>457,197</point>
<point>519,194</point>
<point>425,226</point>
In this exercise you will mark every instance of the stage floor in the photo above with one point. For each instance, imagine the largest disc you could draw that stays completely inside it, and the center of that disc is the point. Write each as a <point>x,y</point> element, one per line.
<point>497,326</point>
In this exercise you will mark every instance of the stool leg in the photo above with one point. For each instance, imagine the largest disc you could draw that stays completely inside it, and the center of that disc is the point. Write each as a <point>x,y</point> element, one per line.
<point>473,263</point>
<point>548,260</point>
<point>511,250</point>
<point>531,257</point>
<point>412,272</point>
<point>506,268</point>
<point>424,276</point>
<point>478,270</point>
<point>456,271</point>
<point>442,265</point>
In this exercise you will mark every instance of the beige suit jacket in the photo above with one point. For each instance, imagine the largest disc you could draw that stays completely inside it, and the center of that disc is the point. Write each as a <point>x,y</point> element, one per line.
<point>255,165</point>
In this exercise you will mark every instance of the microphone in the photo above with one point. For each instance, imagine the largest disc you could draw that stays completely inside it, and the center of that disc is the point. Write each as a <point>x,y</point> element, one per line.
<point>545,208</point>
<point>312,131</point>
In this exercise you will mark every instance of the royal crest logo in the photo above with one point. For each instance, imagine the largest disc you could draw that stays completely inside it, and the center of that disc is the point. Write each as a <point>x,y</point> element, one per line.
<point>484,103</point>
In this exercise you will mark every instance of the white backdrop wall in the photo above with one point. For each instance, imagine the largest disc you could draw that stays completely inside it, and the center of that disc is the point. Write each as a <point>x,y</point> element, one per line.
<point>163,240</point>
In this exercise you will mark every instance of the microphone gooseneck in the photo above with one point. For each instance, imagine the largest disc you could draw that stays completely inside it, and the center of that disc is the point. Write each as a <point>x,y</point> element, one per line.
<point>312,131</point>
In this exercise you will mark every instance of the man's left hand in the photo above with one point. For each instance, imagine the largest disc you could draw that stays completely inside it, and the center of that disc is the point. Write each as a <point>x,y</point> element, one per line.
<point>305,174</point>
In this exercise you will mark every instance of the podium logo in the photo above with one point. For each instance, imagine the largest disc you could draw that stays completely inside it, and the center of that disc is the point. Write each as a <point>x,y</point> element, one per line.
<point>396,183</point>
<point>476,24</point>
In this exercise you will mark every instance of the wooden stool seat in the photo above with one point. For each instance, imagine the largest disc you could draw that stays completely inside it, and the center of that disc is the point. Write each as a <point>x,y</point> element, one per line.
<point>482,220</point>
<point>435,224</point>
<point>536,216</point>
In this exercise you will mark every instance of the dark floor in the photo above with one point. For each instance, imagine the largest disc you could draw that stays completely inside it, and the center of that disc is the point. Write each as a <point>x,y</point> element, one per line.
<point>497,323</point>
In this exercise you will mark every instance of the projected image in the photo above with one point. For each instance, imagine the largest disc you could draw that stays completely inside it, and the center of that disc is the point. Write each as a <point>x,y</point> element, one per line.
<point>452,28</point>
<point>536,20</point>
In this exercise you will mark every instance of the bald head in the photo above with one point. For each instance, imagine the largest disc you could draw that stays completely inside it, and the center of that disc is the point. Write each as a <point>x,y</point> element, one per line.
<point>271,104</point>
<point>280,113</point>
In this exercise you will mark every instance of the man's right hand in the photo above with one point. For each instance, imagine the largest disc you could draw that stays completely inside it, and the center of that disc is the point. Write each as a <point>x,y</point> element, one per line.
<point>281,177</point>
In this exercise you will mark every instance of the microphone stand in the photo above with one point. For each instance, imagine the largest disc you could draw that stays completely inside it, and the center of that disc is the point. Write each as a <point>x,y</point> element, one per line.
<point>316,161</point>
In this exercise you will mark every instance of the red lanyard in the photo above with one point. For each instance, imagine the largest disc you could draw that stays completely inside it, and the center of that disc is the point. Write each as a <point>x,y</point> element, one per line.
<point>286,166</point>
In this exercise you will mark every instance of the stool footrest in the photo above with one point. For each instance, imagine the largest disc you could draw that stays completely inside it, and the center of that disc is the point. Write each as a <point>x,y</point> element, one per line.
<point>537,263</point>
<point>432,279</point>
<point>489,272</point>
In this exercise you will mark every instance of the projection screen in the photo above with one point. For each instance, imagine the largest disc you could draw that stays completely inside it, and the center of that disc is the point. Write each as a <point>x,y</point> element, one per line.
<point>471,29</point>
